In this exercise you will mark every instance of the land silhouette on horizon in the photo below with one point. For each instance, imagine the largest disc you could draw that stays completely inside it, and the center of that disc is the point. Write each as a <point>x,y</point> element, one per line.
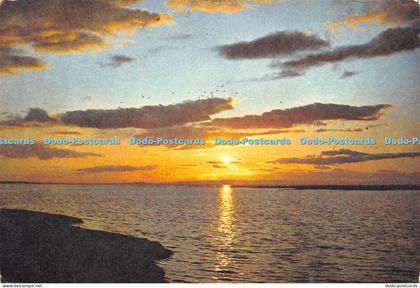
<point>45,248</point>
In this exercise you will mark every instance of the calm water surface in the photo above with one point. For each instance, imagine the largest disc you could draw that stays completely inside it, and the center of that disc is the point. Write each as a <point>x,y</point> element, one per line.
<point>222,234</point>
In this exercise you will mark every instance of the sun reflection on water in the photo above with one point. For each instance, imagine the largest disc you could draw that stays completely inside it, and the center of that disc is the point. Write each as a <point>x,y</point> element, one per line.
<point>225,228</point>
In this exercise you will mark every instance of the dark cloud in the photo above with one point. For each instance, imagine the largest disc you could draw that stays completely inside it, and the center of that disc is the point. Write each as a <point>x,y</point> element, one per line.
<point>376,126</point>
<point>33,116</point>
<point>340,130</point>
<point>159,49</point>
<point>39,151</point>
<point>390,41</point>
<point>219,166</point>
<point>37,114</point>
<point>285,74</point>
<point>320,124</point>
<point>191,120</point>
<point>149,117</point>
<point>190,165</point>
<point>359,129</point>
<point>348,74</point>
<point>116,168</point>
<point>180,37</point>
<point>13,61</point>
<point>321,167</point>
<point>343,156</point>
<point>68,26</point>
<point>309,114</point>
<point>118,60</point>
<point>213,6</point>
<point>399,11</point>
<point>282,43</point>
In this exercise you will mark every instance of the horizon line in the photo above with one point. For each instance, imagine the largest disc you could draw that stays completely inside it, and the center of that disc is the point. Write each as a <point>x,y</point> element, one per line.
<point>239,185</point>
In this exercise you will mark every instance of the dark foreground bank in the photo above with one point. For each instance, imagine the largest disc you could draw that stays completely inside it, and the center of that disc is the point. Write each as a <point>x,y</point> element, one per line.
<point>45,248</point>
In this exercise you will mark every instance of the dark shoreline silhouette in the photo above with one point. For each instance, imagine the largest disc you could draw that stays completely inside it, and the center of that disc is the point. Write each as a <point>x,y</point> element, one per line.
<point>45,248</point>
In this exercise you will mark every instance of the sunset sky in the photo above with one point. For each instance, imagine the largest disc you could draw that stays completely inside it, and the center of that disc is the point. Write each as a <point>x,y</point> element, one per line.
<point>210,68</point>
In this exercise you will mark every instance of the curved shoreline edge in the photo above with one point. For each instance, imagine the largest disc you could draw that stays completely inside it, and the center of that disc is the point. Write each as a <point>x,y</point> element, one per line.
<point>38,247</point>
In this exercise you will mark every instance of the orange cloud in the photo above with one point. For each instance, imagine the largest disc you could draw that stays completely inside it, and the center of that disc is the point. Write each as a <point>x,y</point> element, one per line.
<point>69,26</point>
<point>214,6</point>
<point>390,12</point>
<point>126,2</point>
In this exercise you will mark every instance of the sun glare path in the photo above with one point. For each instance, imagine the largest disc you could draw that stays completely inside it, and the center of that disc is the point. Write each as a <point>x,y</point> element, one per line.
<point>226,227</point>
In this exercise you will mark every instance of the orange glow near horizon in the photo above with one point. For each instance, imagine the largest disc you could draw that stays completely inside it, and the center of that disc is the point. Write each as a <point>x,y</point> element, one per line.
<point>238,163</point>
<point>227,159</point>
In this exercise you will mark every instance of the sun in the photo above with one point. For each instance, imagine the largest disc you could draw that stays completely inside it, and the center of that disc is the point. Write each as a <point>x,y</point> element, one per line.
<point>227,159</point>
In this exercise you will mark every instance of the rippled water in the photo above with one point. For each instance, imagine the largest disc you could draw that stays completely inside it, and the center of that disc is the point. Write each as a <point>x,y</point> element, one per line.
<point>221,234</point>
